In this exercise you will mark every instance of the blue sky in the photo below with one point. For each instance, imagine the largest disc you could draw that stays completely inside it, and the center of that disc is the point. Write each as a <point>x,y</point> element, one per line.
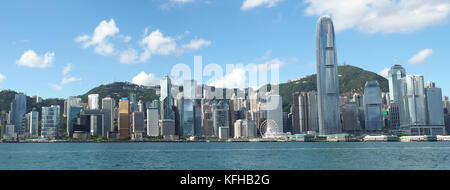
<point>49,48</point>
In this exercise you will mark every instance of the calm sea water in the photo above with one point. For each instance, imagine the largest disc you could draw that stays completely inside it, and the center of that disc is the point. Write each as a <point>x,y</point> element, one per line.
<point>289,155</point>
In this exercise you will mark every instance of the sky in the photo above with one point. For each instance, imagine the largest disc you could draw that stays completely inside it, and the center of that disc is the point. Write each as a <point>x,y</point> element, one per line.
<point>54,48</point>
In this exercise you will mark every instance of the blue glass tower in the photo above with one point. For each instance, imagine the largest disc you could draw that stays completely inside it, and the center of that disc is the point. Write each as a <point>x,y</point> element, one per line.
<point>327,78</point>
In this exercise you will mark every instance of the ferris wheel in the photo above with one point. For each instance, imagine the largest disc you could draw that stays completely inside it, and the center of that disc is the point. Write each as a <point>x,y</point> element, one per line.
<point>267,127</point>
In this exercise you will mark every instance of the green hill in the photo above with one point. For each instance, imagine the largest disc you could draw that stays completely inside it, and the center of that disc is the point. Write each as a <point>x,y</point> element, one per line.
<point>6,97</point>
<point>118,90</point>
<point>115,90</point>
<point>350,78</point>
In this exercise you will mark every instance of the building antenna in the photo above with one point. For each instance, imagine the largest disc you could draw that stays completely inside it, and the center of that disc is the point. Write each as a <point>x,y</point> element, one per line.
<point>396,60</point>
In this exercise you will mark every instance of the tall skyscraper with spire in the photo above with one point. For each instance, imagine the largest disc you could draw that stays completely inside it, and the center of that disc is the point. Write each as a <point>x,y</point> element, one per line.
<point>166,98</point>
<point>327,78</point>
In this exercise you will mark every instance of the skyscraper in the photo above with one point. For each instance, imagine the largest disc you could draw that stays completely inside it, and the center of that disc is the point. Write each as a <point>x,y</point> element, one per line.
<point>133,103</point>
<point>34,119</point>
<point>421,111</point>
<point>394,116</point>
<point>197,120</point>
<point>350,122</point>
<point>179,114</point>
<point>93,105</point>
<point>220,116</point>
<point>166,99</point>
<point>303,114</point>
<point>18,111</point>
<point>274,116</point>
<point>295,113</point>
<point>93,101</point>
<point>72,109</point>
<point>152,122</point>
<point>140,106</point>
<point>435,109</point>
<point>373,106</point>
<point>73,119</point>
<point>412,101</point>
<point>307,111</point>
<point>156,104</point>
<point>50,122</point>
<point>244,128</point>
<point>327,78</point>
<point>108,107</point>
<point>190,89</point>
<point>207,120</point>
<point>124,118</point>
<point>313,115</point>
<point>188,118</point>
<point>396,73</point>
<point>138,122</point>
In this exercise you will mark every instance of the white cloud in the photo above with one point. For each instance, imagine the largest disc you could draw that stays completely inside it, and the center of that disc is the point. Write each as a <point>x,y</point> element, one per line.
<point>157,43</point>
<point>129,56</point>
<point>105,49</point>
<point>384,73</point>
<point>67,69</point>
<point>68,79</point>
<point>145,79</point>
<point>250,4</point>
<point>181,1</point>
<point>421,57</point>
<point>235,79</point>
<point>2,78</point>
<point>124,38</point>
<point>99,39</point>
<point>30,59</point>
<point>104,30</point>
<point>82,39</point>
<point>172,3</point>
<point>56,86</point>
<point>196,44</point>
<point>238,77</point>
<point>384,16</point>
<point>265,56</point>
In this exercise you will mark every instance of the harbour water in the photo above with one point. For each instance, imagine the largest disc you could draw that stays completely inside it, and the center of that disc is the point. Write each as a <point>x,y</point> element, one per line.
<point>228,156</point>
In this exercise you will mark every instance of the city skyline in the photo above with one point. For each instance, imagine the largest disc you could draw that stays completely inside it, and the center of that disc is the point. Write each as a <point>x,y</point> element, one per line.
<point>65,61</point>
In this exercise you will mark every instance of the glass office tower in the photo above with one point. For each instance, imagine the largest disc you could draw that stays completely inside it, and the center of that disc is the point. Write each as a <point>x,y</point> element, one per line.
<point>50,122</point>
<point>124,118</point>
<point>188,118</point>
<point>373,106</point>
<point>396,73</point>
<point>166,99</point>
<point>18,111</point>
<point>327,78</point>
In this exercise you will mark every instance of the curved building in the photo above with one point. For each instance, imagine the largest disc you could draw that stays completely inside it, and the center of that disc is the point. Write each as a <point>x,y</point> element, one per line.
<point>327,78</point>
<point>373,106</point>
<point>396,73</point>
<point>412,102</point>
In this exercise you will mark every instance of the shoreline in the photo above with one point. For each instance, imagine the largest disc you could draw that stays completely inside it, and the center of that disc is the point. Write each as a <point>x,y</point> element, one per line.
<point>205,141</point>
